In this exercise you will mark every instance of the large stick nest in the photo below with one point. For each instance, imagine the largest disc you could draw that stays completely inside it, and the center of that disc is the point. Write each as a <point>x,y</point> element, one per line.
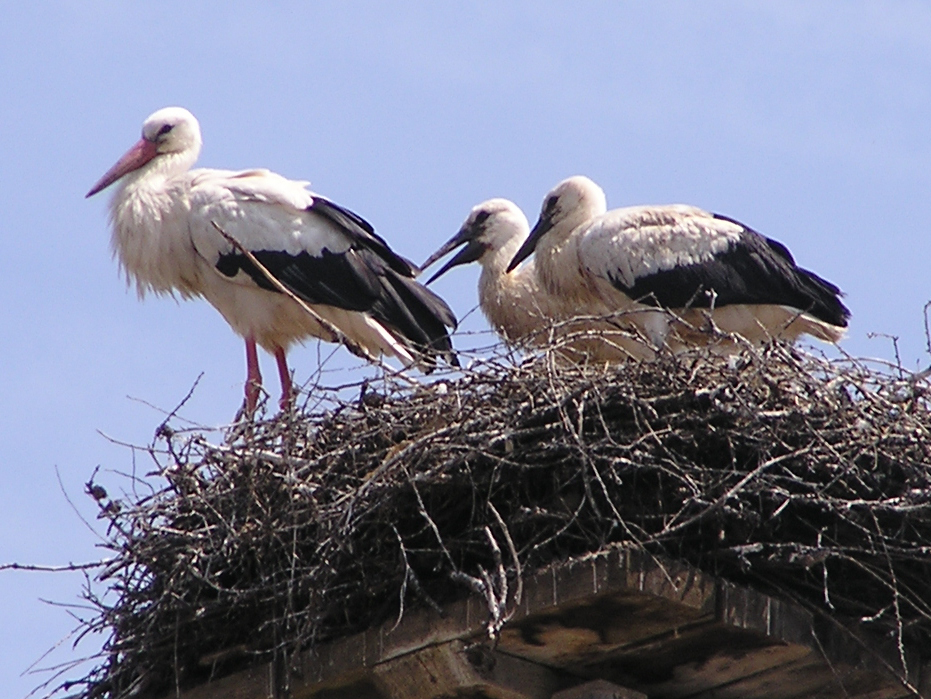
<point>806,478</point>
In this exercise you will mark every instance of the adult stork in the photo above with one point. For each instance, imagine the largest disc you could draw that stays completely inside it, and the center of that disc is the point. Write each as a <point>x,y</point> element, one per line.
<point>515,303</point>
<point>165,219</point>
<point>670,272</point>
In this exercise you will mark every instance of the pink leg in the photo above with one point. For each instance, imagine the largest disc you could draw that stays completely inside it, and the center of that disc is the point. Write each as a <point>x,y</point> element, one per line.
<point>253,376</point>
<point>287,391</point>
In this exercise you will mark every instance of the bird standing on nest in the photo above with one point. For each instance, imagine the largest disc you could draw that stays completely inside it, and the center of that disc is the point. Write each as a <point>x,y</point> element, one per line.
<point>165,219</point>
<point>676,274</point>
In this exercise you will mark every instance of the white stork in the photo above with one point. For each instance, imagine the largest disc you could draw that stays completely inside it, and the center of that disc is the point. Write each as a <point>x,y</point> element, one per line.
<point>492,234</point>
<point>515,303</point>
<point>675,268</point>
<point>163,217</point>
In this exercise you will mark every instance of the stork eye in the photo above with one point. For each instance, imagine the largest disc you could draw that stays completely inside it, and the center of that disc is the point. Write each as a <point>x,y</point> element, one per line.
<point>481,217</point>
<point>550,205</point>
<point>165,129</point>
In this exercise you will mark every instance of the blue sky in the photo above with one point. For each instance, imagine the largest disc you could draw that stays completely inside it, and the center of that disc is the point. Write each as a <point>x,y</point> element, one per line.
<point>810,122</point>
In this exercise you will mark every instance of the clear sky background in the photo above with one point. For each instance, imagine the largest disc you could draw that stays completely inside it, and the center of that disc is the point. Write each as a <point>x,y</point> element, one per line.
<point>810,122</point>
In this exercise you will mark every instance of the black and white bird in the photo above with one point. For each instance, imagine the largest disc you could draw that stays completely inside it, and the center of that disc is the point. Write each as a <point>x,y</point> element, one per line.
<point>515,303</point>
<point>163,217</point>
<point>674,272</point>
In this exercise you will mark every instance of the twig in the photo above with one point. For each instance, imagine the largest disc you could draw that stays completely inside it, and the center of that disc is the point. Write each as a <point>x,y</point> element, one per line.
<point>65,568</point>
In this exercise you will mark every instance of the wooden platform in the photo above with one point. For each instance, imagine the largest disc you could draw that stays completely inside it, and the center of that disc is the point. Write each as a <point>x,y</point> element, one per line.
<point>616,625</point>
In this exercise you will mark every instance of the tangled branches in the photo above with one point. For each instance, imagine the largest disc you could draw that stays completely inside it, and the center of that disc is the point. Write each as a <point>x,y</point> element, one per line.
<point>807,478</point>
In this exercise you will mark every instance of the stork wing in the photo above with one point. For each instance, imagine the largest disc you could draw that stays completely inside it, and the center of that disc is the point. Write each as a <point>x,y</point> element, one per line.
<point>362,233</point>
<point>322,252</point>
<point>679,256</point>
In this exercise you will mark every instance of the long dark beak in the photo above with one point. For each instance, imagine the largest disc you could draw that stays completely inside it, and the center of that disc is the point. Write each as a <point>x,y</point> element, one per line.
<point>544,223</point>
<point>472,251</point>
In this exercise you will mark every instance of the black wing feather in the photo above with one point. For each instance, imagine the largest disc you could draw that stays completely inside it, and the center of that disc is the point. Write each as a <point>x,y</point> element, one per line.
<point>423,315</point>
<point>357,280</point>
<point>332,279</point>
<point>410,310</point>
<point>362,233</point>
<point>756,270</point>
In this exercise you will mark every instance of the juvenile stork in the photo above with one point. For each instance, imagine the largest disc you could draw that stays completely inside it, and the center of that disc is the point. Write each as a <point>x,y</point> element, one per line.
<point>673,272</point>
<point>164,218</point>
<point>515,303</point>
<point>491,235</point>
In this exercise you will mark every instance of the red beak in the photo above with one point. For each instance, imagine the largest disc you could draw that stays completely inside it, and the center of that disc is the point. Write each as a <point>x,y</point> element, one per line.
<point>135,158</point>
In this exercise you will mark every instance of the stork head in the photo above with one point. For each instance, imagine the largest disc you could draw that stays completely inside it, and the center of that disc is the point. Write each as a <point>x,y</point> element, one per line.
<point>170,137</point>
<point>567,206</point>
<point>492,226</point>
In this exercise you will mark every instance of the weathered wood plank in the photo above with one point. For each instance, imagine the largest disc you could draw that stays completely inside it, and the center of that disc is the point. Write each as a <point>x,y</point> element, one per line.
<point>456,669</point>
<point>580,631</point>
<point>805,678</point>
<point>253,683</point>
<point>598,689</point>
<point>418,629</point>
<point>621,616</point>
<point>694,661</point>
<point>748,609</point>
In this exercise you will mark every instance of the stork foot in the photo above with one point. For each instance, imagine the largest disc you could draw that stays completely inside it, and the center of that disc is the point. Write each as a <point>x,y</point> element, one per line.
<point>253,378</point>
<point>251,402</point>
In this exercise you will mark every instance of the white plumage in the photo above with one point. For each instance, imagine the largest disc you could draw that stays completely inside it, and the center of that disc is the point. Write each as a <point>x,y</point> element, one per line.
<point>516,303</point>
<point>492,235</point>
<point>673,273</point>
<point>163,215</point>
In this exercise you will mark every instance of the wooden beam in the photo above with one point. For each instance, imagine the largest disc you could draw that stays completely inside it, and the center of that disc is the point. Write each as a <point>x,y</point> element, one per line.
<point>621,616</point>
<point>598,689</point>
<point>461,669</point>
